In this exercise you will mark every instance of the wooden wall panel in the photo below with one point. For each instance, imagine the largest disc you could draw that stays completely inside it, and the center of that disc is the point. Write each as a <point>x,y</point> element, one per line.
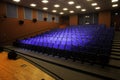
<point>105,18</point>
<point>73,20</point>
<point>20,13</point>
<point>2,9</point>
<point>34,14</point>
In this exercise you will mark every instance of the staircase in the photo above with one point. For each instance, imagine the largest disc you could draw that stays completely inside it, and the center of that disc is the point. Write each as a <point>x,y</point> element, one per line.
<point>115,52</point>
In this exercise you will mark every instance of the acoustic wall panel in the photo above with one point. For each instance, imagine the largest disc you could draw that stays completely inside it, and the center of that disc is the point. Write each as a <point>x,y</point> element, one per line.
<point>57,19</point>
<point>28,13</point>
<point>12,11</point>
<point>40,16</point>
<point>49,18</point>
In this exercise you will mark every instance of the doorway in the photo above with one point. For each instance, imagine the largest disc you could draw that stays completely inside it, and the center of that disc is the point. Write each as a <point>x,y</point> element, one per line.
<point>116,20</point>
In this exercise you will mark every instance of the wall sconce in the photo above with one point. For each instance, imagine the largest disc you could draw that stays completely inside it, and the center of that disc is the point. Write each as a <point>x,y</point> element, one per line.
<point>53,18</point>
<point>34,20</point>
<point>2,18</point>
<point>21,22</point>
<point>45,19</point>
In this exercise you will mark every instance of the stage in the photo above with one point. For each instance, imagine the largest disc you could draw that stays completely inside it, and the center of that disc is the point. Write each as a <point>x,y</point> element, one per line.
<point>20,69</point>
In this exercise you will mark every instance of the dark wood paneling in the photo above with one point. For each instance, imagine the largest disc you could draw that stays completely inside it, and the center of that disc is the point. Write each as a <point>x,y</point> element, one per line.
<point>105,18</point>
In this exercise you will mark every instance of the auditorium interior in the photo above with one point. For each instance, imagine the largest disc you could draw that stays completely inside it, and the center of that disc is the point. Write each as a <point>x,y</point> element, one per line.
<point>59,39</point>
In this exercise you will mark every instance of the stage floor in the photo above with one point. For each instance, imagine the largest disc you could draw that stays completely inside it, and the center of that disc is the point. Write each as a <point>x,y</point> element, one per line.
<point>20,70</point>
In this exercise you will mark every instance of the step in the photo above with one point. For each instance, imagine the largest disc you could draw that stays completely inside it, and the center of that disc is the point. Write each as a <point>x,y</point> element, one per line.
<point>115,53</point>
<point>114,63</point>
<point>115,47</point>
<point>116,40</point>
<point>115,50</point>
<point>115,57</point>
<point>116,44</point>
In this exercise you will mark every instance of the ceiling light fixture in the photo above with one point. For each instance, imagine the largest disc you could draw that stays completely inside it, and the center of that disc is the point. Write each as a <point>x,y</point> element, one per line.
<point>88,0</point>
<point>32,5</point>
<point>45,1</point>
<point>78,7</point>
<point>61,13</point>
<point>115,5</point>
<point>94,4</point>
<point>16,0</point>
<point>71,2</point>
<point>83,10</point>
<point>45,8</point>
<point>71,11</point>
<point>97,8</point>
<point>65,9</point>
<point>54,11</point>
<point>114,1</point>
<point>56,5</point>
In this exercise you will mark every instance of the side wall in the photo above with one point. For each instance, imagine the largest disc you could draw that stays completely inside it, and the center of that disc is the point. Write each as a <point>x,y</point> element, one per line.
<point>11,30</point>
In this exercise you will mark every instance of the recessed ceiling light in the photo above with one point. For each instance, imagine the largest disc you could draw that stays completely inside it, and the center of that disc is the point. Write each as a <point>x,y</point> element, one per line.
<point>45,1</point>
<point>61,13</point>
<point>88,0</point>
<point>65,9</point>
<point>54,11</point>
<point>78,7</point>
<point>83,10</point>
<point>94,4</point>
<point>115,5</point>
<point>33,5</point>
<point>56,5</point>
<point>71,11</point>
<point>71,2</point>
<point>16,0</point>
<point>45,8</point>
<point>114,1</point>
<point>97,7</point>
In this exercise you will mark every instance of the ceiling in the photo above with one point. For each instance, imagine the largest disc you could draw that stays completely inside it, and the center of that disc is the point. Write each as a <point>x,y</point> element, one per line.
<point>103,4</point>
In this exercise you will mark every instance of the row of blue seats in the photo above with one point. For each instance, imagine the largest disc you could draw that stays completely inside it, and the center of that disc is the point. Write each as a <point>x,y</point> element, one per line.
<point>92,43</point>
